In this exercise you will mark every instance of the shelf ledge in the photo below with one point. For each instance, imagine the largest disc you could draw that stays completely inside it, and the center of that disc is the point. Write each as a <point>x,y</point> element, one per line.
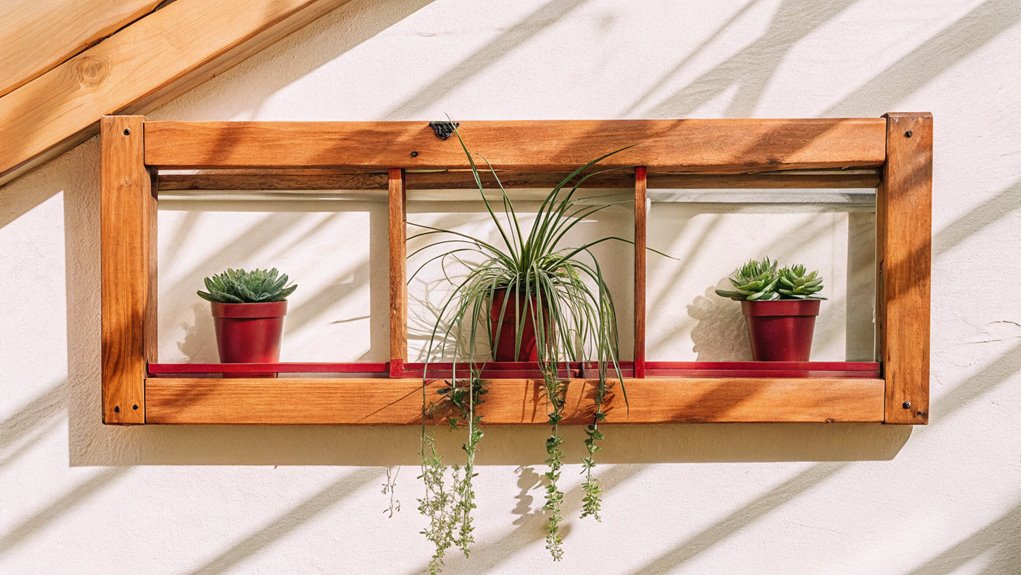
<point>378,401</point>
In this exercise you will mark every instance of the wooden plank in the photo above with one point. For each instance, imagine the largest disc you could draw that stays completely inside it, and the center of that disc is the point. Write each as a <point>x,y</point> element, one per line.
<point>154,59</point>
<point>399,401</point>
<point>904,254</point>
<point>398,250</point>
<point>641,212</point>
<point>37,36</point>
<point>326,179</point>
<point>128,260</point>
<point>715,146</point>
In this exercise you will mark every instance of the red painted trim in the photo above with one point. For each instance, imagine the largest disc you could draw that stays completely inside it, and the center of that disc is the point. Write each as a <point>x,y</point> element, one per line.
<point>516,370</point>
<point>158,369</point>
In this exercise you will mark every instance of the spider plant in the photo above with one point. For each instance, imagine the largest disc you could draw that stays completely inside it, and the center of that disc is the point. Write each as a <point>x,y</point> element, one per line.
<point>560,290</point>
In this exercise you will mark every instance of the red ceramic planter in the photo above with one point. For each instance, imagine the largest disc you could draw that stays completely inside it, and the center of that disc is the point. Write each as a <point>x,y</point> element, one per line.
<point>781,330</point>
<point>249,332</point>
<point>508,330</point>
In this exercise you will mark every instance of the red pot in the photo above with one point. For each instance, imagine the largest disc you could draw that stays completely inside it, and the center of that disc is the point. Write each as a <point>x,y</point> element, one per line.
<point>249,332</point>
<point>781,330</point>
<point>508,329</point>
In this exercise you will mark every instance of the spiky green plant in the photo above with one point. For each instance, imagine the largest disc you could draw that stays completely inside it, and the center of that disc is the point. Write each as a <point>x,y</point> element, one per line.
<point>759,280</point>
<point>795,283</point>
<point>241,286</point>
<point>568,302</point>
<point>754,281</point>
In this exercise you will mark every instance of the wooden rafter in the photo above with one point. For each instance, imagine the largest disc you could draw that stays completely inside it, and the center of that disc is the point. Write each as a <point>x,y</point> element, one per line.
<point>155,59</point>
<point>37,36</point>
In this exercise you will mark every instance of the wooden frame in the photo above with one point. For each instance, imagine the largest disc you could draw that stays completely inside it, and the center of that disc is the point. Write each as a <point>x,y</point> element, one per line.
<point>893,153</point>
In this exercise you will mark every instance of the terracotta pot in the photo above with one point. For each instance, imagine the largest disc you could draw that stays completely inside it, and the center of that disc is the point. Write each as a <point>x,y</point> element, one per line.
<point>781,330</point>
<point>508,330</point>
<point>249,332</point>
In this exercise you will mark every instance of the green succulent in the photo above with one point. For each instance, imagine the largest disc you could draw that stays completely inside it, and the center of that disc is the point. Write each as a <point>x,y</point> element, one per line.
<point>795,283</point>
<point>754,281</point>
<point>240,286</point>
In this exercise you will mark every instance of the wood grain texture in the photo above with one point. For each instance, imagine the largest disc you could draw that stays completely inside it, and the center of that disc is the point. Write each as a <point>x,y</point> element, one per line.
<point>399,401</point>
<point>717,146</point>
<point>641,213</point>
<point>156,58</point>
<point>128,260</point>
<point>398,250</point>
<point>904,253</point>
<point>326,179</point>
<point>36,36</point>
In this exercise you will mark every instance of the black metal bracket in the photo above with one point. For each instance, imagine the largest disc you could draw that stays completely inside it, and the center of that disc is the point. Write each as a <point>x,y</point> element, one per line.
<point>443,130</point>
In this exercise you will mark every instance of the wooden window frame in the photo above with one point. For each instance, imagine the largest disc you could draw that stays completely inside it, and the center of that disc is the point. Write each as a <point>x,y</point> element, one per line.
<point>892,153</point>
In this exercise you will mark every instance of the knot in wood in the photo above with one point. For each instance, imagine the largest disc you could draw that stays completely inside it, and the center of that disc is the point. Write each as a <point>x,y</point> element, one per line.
<point>91,71</point>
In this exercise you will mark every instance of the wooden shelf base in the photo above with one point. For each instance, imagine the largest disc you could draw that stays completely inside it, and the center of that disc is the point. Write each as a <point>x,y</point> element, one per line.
<point>377,401</point>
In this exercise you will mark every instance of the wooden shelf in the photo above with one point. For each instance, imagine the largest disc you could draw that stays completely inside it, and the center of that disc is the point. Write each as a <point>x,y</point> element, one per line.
<point>512,401</point>
<point>140,158</point>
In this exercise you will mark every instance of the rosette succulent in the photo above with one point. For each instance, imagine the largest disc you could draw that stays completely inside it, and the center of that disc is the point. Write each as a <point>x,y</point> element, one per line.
<point>760,280</point>
<point>241,286</point>
<point>795,283</point>
<point>754,281</point>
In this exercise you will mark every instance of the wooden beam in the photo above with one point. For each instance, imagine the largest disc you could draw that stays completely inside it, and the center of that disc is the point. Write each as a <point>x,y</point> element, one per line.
<point>36,36</point>
<point>326,179</point>
<point>154,59</point>
<point>128,260</point>
<point>398,249</point>
<point>736,146</point>
<point>399,401</point>
<point>641,212</point>
<point>904,255</point>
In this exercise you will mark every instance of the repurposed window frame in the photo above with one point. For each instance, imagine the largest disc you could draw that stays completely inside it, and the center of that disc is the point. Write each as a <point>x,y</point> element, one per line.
<point>892,154</point>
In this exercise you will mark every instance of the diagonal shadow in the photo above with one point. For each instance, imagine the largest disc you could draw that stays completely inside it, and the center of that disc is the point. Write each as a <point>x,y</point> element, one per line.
<point>1000,534</point>
<point>935,55</point>
<point>742,517</point>
<point>287,522</point>
<point>56,509</point>
<point>40,410</point>
<point>458,74</point>
<point>755,64</point>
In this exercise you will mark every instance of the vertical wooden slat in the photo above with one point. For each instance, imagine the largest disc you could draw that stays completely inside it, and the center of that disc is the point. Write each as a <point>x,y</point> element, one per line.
<point>128,259</point>
<point>398,273</point>
<point>641,185</point>
<point>904,237</point>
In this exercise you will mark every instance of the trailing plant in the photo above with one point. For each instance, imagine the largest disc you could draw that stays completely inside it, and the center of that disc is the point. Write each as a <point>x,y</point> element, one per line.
<point>449,509</point>
<point>567,300</point>
<point>760,280</point>
<point>241,286</point>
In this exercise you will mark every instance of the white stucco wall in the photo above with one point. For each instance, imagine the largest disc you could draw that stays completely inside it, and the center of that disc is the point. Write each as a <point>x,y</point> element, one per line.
<point>78,497</point>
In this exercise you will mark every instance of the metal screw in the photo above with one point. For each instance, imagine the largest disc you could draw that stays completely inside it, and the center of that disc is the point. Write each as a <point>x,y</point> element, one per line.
<point>116,409</point>
<point>907,134</point>
<point>906,405</point>
<point>127,131</point>
<point>135,407</point>
<point>414,154</point>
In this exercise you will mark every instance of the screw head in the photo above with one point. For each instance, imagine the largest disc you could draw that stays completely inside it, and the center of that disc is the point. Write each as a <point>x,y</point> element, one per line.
<point>906,405</point>
<point>907,134</point>
<point>414,154</point>
<point>127,131</point>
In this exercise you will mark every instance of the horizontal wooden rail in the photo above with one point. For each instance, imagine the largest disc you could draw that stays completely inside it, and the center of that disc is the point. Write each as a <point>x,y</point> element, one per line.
<point>701,146</point>
<point>325,179</point>
<point>512,401</point>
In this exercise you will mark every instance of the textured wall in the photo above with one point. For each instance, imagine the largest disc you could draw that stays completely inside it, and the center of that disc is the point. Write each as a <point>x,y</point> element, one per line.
<point>78,497</point>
